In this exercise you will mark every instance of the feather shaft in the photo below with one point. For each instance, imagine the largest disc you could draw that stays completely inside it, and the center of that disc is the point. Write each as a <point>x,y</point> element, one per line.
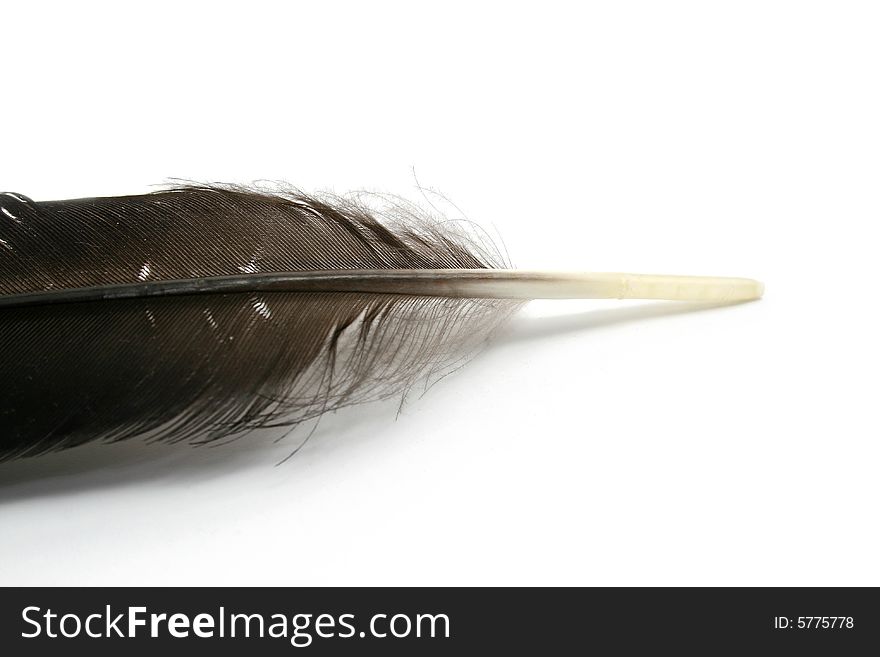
<point>454,283</point>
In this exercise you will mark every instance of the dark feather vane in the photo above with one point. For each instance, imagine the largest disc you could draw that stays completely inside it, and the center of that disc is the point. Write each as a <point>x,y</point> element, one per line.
<point>200,367</point>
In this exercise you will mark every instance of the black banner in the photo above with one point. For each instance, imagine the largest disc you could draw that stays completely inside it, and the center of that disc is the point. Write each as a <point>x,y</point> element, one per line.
<point>438,621</point>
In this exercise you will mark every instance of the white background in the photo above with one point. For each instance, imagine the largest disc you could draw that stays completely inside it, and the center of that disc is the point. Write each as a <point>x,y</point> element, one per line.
<point>592,442</point>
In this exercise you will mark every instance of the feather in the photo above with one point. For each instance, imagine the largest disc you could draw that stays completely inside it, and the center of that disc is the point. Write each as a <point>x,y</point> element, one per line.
<point>202,313</point>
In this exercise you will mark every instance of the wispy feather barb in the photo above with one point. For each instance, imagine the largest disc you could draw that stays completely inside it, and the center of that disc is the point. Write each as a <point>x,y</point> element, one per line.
<point>198,368</point>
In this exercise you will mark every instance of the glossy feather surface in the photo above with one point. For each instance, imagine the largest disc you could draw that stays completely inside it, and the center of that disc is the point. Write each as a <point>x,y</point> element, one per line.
<point>206,367</point>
